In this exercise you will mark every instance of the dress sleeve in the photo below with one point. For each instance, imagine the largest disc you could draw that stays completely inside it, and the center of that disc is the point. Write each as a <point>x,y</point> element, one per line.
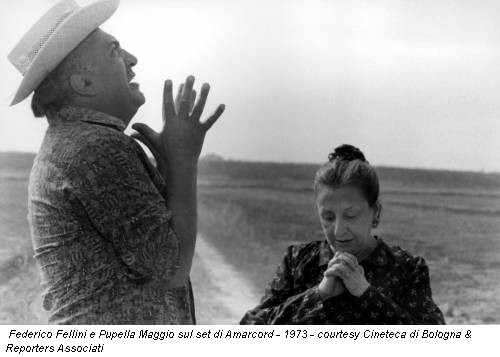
<point>126,209</point>
<point>415,307</point>
<point>282,305</point>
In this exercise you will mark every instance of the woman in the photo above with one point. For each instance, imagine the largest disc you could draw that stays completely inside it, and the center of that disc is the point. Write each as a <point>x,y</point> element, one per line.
<point>352,277</point>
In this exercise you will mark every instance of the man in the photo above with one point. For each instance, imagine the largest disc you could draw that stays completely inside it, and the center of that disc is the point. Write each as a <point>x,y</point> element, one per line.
<point>113,236</point>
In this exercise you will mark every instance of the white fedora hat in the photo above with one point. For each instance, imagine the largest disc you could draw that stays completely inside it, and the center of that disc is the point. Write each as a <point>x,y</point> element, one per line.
<point>52,38</point>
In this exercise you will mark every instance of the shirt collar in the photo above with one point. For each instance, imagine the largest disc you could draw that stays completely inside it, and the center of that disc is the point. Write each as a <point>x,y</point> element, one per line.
<point>73,114</point>
<point>379,256</point>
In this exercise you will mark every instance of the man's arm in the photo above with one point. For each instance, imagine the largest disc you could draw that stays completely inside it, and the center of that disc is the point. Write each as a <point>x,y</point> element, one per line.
<point>122,203</point>
<point>182,201</point>
<point>176,150</point>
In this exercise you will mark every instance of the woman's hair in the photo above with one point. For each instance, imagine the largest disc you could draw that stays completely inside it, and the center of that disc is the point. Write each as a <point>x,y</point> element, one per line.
<point>347,166</point>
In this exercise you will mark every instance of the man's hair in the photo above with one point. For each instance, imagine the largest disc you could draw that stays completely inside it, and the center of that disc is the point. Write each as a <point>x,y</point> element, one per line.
<point>347,166</point>
<point>55,91</point>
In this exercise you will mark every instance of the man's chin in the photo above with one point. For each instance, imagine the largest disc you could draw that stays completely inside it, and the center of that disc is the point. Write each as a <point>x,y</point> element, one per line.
<point>138,98</point>
<point>136,94</point>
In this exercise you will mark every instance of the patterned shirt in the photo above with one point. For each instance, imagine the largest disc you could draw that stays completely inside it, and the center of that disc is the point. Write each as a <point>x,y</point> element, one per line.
<point>399,291</point>
<point>101,228</point>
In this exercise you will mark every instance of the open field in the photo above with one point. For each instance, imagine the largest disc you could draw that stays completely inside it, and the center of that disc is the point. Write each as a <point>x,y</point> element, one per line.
<point>250,212</point>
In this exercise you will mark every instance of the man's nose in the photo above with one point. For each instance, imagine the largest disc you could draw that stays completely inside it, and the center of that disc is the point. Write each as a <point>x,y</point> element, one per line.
<point>130,58</point>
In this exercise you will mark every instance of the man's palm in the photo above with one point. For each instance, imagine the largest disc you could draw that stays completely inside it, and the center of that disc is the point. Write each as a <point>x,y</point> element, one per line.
<point>182,135</point>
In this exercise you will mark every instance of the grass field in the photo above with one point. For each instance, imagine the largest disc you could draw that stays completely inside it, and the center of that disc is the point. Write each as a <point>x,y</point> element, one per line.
<point>252,211</point>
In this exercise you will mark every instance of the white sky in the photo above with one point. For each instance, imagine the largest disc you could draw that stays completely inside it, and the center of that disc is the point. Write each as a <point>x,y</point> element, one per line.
<point>412,83</point>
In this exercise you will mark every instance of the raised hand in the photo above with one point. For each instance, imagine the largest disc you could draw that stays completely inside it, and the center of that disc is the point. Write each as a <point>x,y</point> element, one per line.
<point>182,136</point>
<point>345,266</point>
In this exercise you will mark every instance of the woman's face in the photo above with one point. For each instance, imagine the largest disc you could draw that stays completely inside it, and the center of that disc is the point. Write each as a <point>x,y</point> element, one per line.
<point>346,218</point>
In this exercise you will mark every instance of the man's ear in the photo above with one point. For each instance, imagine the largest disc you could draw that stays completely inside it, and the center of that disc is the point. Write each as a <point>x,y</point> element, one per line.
<point>82,85</point>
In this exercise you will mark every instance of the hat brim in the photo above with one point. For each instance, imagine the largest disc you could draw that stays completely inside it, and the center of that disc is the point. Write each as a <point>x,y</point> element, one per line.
<point>64,40</point>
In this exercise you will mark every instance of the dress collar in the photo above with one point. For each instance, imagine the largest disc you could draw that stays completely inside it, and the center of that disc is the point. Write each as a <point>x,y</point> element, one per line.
<point>73,114</point>
<point>325,253</point>
<point>379,256</point>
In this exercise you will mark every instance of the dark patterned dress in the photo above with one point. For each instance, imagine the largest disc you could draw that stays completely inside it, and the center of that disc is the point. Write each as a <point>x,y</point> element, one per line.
<point>399,291</point>
<point>101,227</point>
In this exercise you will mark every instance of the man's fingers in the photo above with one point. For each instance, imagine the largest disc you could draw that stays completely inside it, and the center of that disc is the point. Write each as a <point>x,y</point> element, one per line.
<point>145,131</point>
<point>168,101</point>
<point>192,100</point>
<point>202,99</point>
<point>141,138</point>
<point>185,101</point>
<point>178,97</point>
<point>188,87</point>
<point>146,142</point>
<point>213,118</point>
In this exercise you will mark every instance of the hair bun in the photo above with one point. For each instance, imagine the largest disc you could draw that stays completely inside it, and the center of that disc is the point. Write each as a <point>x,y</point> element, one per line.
<point>346,152</point>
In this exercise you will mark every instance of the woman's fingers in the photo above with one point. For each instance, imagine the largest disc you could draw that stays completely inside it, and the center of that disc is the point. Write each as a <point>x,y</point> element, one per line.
<point>345,258</point>
<point>336,259</point>
<point>351,256</point>
<point>350,261</point>
<point>338,270</point>
<point>213,118</point>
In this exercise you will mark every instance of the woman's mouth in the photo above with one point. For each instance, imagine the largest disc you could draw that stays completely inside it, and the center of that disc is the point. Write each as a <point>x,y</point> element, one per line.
<point>343,241</point>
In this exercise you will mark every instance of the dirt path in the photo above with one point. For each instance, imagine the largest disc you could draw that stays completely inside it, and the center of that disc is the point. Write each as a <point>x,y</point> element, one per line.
<point>222,294</point>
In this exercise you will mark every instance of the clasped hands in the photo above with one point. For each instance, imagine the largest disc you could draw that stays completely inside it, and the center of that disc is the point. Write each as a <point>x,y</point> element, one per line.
<point>181,138</point>
<point>343,273</point>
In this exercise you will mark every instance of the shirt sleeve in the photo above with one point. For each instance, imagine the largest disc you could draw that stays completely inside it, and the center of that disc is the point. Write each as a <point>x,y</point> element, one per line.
<point>416,307</point>
<point>126,208</point>
<point>282,305</point>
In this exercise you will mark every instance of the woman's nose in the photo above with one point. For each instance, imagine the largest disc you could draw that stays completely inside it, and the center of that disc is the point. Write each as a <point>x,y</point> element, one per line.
<point>340,227</point>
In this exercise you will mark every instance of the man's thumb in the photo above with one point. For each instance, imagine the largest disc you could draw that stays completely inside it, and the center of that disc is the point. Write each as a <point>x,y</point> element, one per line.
<point>145,130</point>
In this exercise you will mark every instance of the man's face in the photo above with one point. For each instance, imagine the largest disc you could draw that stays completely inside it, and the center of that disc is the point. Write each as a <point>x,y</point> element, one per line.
<point>111,76</point>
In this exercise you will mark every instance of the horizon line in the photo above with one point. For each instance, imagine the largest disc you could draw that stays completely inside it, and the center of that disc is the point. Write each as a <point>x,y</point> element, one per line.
<point>221,158</point>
